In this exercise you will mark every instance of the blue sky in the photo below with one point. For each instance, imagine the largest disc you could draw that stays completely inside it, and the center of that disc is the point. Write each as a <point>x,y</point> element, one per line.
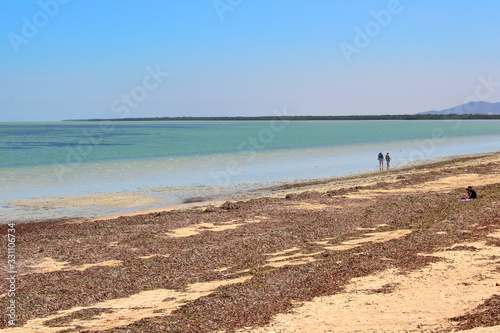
<point>74,59</point>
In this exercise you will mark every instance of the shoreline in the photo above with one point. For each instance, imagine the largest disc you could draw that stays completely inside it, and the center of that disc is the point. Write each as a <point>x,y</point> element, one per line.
<point>106,202</point>
<point>421,116</point>
<point>293,187</point>
<point>316,256</point>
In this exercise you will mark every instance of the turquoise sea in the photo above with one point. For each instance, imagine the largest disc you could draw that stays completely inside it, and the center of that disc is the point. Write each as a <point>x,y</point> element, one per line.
<point>178,160</point>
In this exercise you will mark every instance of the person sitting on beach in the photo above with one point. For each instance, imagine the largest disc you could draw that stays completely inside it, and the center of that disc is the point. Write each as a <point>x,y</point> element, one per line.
<point>381,160</point>
<point>388,159</point>
<point>471,194</point>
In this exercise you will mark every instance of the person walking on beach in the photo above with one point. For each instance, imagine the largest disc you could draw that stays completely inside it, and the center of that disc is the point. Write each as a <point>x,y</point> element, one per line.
<point>388,159</point>
<point>381,160</point>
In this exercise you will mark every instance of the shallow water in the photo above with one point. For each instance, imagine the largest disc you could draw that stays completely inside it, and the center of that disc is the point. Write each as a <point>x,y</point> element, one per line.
<point>179,160</point>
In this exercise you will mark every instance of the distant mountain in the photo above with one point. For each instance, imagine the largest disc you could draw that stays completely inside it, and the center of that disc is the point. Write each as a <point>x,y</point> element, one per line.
<point>470,108</point>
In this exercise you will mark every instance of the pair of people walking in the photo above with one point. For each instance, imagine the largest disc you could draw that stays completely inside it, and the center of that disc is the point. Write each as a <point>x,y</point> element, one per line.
<point>381,160</point>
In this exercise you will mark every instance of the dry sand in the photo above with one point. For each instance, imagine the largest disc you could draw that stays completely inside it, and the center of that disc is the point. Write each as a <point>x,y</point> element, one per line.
<point>422,300</point>
<point>460,277</point>
<point>112,200</point>
<point>52,265</point>
<point>198,228</point>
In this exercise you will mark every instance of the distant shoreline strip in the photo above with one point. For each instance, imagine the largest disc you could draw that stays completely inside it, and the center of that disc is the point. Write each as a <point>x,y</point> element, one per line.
<point>296,118</point>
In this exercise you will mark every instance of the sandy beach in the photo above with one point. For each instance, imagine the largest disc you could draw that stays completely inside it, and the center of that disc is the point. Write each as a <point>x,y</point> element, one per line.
<point>394,251</point>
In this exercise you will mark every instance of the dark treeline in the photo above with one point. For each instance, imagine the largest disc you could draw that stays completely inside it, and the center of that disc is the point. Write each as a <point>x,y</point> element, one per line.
<point>366,117</point>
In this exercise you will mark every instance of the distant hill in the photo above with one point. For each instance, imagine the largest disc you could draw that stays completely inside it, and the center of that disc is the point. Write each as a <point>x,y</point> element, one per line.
<point>470,108</point>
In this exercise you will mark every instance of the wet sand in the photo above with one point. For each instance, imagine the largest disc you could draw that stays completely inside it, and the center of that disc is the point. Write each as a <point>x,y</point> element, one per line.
<point>395,251</point>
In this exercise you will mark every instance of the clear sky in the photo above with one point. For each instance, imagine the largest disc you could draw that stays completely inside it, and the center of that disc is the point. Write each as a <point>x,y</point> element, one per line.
<point>74,59</point>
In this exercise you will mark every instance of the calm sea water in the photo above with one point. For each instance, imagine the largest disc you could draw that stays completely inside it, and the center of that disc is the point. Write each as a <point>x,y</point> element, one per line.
<point>214,157</point>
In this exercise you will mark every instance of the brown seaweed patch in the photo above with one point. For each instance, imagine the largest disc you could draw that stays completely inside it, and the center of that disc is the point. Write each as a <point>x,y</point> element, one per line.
<point>195,199</point>
<point>85,314</point>
<point>310,206</point>
<point>123,311</point>
<point>487,314</point>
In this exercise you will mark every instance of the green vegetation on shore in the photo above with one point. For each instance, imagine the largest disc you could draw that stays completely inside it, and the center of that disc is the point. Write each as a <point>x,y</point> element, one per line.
<point>352,117</point>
